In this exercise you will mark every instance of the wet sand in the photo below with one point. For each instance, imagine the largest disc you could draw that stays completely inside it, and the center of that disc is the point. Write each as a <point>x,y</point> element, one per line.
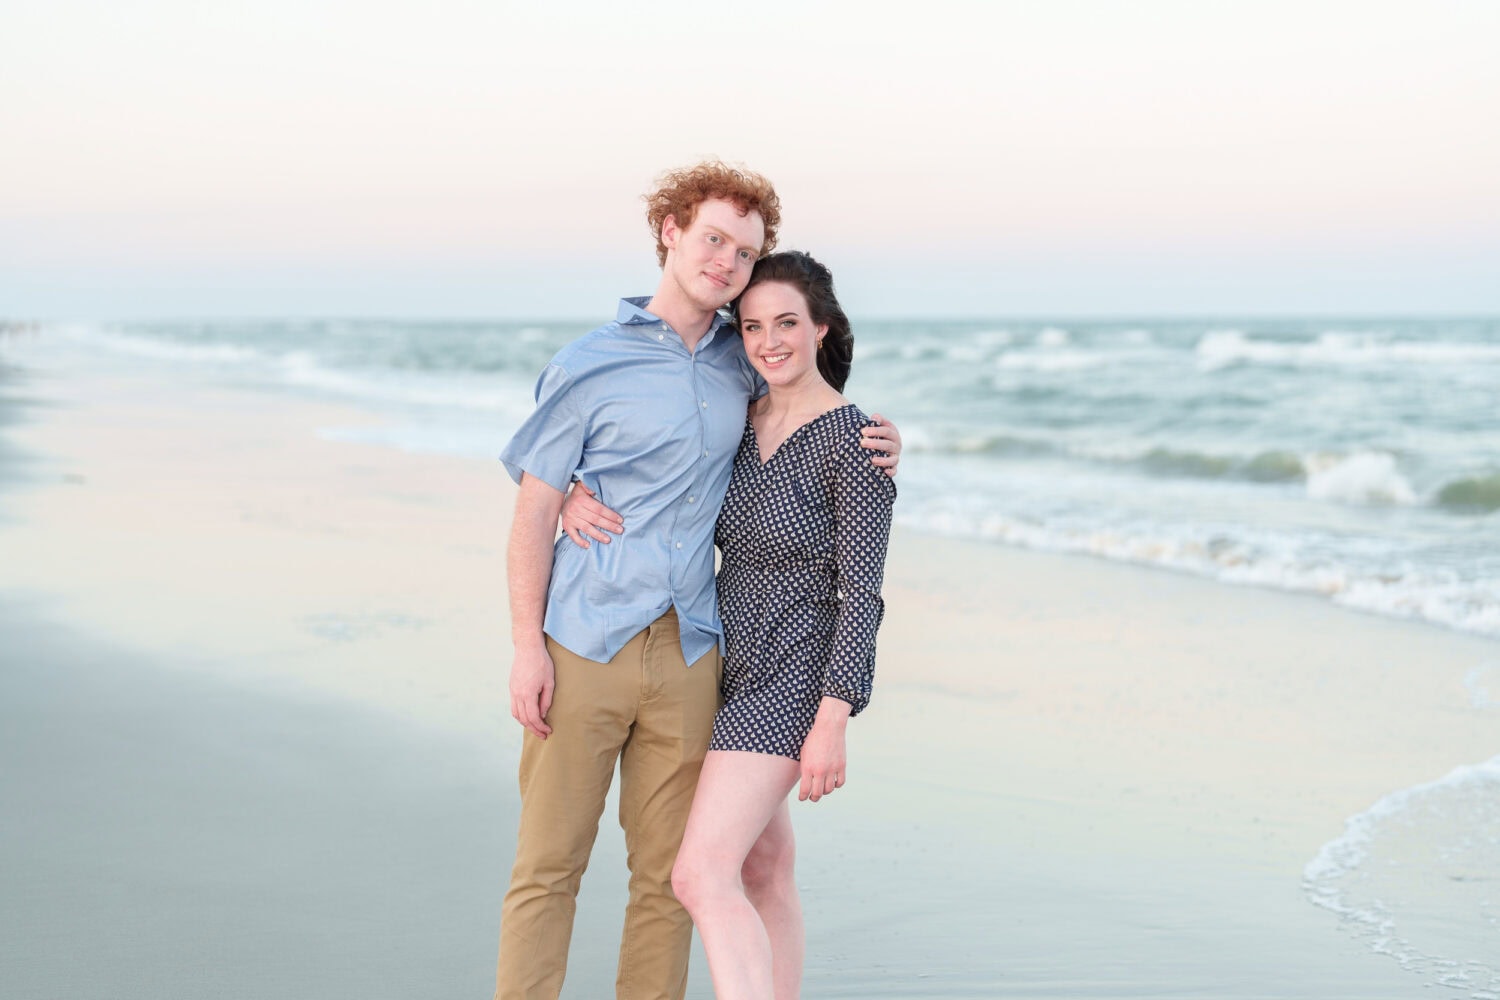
<point>256,741</point>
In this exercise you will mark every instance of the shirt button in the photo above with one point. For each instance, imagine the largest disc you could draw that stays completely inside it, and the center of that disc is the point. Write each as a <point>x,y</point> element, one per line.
<point>704,404</point>
<point>691,499</point>
<point>661,336</point>
<point>705,452</point>
<point>679,545</point>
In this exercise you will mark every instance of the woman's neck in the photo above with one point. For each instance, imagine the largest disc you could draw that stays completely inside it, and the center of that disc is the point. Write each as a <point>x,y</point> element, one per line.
<point>804,400</point>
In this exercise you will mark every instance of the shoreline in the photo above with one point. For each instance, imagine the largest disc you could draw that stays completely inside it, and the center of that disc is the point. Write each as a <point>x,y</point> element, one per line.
<point>1365,526</point>
<point>1076,777</point>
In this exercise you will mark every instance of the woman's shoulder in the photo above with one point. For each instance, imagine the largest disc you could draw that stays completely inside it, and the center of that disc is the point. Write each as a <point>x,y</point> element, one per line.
<point>851,457</point>
<point>836,430</point>
<point>848,420</point>
<point>841,415</point>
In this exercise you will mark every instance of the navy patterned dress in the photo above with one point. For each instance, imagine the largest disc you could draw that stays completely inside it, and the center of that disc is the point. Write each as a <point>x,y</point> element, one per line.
<point>803,540</point>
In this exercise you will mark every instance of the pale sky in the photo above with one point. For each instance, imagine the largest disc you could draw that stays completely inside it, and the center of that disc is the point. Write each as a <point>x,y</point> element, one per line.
<point>480,159</point>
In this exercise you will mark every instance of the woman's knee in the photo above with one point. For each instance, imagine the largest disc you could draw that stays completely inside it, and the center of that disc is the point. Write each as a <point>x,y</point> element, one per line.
<point>693,880</point>
<point>684,887</point>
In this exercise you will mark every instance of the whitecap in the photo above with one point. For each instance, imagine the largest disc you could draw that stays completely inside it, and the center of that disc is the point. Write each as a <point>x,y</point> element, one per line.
<point>1337,348</point>
<point>968,354</point>
<point>160,349</point>
<point>1051,361</point>
<point>1364,478</point>
<point>302,369</point>
<point>1221,348</point>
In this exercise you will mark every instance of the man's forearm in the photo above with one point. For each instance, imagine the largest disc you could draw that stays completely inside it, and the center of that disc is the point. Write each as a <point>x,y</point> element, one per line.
<point>530,570</point>
<point>529,560</point>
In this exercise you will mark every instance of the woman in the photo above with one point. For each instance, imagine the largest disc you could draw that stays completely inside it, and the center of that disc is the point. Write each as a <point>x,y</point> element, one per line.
<point>803,537</point>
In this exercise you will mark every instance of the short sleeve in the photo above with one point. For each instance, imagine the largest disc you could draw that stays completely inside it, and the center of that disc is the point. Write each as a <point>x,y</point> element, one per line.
<point>549,445</point>
<point>758,386</point>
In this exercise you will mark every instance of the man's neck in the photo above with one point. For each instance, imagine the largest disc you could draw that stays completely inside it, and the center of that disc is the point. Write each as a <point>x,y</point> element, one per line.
<point>690,321</point>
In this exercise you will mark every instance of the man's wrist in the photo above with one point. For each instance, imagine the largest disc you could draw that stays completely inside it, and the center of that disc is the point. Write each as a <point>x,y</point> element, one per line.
<point>529,641</point>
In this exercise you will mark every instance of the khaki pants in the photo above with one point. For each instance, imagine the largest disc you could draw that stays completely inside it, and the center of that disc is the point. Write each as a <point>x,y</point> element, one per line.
<point>647,708</point>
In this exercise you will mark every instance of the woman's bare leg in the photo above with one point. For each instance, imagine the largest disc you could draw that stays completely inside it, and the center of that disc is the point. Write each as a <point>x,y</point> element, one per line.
<point>738,794</point>
<point>769,874</point>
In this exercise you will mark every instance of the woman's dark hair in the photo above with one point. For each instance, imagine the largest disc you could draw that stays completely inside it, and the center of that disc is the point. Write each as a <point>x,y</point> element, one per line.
<point>815,282</point>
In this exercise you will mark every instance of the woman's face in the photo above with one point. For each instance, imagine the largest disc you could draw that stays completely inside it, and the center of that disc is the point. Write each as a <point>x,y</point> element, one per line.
<point>780,337</point>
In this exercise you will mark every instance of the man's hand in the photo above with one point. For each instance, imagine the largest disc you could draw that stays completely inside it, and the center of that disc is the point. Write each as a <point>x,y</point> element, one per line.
<point>885,437</point>
<point>532,681</point>
<point>582,515</point>
<point>823,757</point>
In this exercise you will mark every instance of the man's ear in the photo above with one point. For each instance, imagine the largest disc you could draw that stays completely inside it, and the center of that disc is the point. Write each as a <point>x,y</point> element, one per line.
<point>671,232</point>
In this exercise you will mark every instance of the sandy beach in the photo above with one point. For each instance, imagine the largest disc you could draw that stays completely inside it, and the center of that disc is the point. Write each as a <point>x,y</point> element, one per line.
<point>255,742</point>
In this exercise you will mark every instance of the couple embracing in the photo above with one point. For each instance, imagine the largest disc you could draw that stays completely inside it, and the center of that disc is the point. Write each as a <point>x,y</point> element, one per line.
<point>709,414</point>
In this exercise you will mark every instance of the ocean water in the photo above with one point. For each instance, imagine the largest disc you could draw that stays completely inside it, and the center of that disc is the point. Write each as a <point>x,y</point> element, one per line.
<point>1359,460</point>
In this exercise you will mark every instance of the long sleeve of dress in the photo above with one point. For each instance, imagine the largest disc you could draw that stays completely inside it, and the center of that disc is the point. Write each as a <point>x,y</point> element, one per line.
<point>863,496</point>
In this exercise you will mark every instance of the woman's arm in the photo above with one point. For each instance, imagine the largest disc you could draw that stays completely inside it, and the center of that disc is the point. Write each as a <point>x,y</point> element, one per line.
<point>585,517</point>
<point>863,500</point>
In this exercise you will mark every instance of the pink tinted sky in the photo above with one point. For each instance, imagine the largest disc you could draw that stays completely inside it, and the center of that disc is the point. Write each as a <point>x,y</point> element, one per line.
<point>478,158</point>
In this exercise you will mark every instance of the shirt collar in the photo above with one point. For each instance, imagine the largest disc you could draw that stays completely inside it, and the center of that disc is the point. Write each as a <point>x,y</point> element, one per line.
<point>632,312</point>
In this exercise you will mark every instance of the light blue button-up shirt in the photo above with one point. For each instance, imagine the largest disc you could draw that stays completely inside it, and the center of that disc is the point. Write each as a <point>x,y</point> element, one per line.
<point>652,428</point>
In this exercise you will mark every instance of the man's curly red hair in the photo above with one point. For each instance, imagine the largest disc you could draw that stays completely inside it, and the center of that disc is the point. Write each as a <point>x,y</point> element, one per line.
<point>679,193</point>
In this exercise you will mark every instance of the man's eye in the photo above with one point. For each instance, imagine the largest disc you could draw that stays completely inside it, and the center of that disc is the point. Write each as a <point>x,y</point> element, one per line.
<point>744,255</point>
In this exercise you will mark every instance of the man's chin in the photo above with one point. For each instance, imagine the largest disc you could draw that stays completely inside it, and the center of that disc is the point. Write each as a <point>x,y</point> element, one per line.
<point>716,298</point>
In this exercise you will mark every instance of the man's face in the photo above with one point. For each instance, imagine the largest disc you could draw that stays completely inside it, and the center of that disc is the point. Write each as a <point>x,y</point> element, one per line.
<point>711,259</point>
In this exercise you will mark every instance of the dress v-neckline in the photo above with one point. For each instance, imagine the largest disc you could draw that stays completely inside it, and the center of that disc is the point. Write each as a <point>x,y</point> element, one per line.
<point>755,438</point>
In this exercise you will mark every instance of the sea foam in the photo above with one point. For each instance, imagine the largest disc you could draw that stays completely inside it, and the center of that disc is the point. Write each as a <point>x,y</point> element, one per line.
<point>1233,555</point>
<point>1052,360</point>
<point>1413,876</point>
<point>160,349</point>
<point>1222,348</point>
<point>1362,478</point>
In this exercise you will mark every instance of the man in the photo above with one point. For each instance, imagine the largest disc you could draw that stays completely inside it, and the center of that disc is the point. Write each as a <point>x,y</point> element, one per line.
<point>617,646</point>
